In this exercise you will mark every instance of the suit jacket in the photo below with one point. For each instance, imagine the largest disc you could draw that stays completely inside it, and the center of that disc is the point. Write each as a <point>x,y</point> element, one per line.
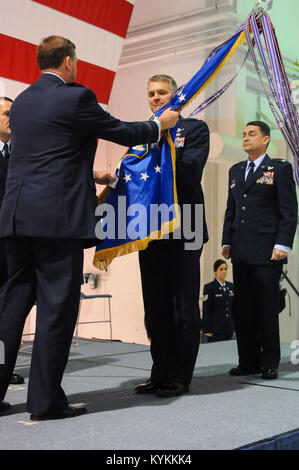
<point>261,212</point>
<point>192,146</point>
<point>50,191</point>
<point>217,308</point>
<point>3,174</point>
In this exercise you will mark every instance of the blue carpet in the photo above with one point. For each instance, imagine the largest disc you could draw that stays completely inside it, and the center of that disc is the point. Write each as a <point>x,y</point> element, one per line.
<point>219,413</point>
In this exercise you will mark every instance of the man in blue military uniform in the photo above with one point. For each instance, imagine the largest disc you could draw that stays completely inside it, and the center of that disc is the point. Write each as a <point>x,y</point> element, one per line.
<point>170,273</point>
<point>218,296</point>
<point>258,233</point>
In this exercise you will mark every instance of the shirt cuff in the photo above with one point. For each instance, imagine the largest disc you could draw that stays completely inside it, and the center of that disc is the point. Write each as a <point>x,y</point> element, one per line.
<point>156,120</point>
<point>287,249</point>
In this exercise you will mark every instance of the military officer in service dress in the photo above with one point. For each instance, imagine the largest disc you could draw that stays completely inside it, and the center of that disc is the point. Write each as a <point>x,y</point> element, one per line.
<point>218,296</point>
<point>259,229</point>
<point>170,273</point>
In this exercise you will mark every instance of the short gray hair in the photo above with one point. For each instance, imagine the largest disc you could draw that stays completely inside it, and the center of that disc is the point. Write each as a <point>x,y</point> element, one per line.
<point>164,78</point>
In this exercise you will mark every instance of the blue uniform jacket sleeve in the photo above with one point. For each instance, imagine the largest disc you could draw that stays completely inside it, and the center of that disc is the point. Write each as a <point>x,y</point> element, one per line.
<point>194,156</point>
<point>288,206</point>
<point>207,310</point>
<point>229,216</point>
<point>91,119</point>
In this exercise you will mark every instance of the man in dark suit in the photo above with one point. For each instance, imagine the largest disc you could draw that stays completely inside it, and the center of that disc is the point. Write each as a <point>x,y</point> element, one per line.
<point>48,216</point>
<point>258,232</point>
<point>5,105</point>
<point>170,272</point>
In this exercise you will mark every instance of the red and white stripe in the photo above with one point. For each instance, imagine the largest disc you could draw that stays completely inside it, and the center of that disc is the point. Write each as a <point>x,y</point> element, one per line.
<point>97,27</point>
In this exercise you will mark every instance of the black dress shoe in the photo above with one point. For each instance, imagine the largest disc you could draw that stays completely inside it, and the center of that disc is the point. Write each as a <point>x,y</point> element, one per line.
<point>16,379</point>
<point>4,407</point>
<point>269,374</point>
<point>245,371</point>
<point>69,412</point>
<point>172,390</point>
<point>147,387</point>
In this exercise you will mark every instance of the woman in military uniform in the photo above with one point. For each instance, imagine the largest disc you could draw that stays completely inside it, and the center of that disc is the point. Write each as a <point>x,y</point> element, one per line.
<point>218,296</point>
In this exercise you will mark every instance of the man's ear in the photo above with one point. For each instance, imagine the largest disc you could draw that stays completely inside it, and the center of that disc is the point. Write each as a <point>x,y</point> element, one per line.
<point>267,140</point>
<point>67,61</point>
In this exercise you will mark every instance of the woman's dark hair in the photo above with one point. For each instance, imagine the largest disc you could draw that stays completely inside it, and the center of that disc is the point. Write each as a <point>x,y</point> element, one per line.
<point>218,263</point>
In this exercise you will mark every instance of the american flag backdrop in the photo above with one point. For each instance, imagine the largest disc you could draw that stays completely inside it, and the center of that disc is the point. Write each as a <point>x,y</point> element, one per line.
<point>97,27</point>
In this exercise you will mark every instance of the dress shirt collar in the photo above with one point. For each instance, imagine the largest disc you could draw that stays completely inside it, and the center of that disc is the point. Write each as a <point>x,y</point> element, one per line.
<point>55,74</point>
<point>222,285</point>
<point>2,145</point>
<point>256,162</point>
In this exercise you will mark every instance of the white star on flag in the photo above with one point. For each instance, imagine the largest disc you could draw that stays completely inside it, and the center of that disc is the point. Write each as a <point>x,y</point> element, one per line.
<point>144,176</point>
<point>182,97</point>
<point>127,178</point>
<point>158,169</point>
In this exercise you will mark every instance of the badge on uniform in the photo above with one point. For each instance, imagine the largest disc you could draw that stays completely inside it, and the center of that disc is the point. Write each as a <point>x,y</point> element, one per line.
<point>233,184</point>
<point>267,178</point>
<point>139,148</point>
<point>179,142</point>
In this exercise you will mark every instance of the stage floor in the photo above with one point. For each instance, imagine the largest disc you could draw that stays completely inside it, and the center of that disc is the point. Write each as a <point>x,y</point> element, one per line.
<point>220,412</point>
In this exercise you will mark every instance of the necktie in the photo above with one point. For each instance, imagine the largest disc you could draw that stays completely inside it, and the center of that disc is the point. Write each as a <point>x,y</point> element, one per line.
<point>5,151</point>
<point>251,171</point>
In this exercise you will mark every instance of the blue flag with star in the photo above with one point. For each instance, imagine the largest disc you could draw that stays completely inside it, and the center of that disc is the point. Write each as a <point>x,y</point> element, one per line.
<point>143,206</point>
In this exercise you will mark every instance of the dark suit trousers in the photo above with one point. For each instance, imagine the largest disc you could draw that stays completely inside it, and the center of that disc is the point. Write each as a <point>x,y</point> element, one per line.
<point>49,271</point>
<point>256,314</point>
<point>3,263</point>
<point>170,279</point>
